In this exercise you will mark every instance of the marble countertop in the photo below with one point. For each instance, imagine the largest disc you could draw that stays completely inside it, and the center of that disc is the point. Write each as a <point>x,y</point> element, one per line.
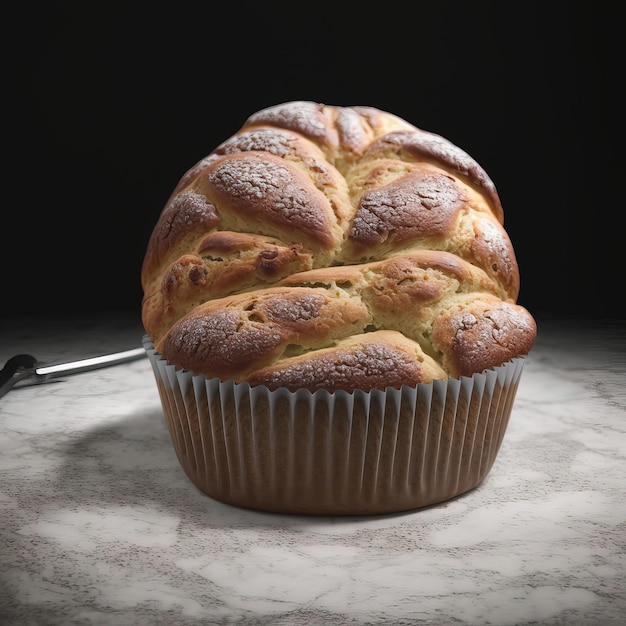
<point>99,525</point>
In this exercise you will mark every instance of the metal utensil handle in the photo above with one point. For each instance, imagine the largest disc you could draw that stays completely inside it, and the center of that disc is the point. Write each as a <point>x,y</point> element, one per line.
<point>23,366</point>
<point>84,365</point>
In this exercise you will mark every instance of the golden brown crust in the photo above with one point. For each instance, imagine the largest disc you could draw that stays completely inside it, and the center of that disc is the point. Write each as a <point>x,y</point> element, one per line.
<point>423,146</point>
<point>375,360</point>
<point>317,236</point>
<point>476,331</point>
<point>230,337</point>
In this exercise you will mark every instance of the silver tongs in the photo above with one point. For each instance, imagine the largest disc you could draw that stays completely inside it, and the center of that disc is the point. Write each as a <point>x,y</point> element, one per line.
<point>24,367</point>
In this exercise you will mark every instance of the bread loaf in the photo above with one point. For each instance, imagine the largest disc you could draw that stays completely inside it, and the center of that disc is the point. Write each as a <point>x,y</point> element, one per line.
<point>332,247</point>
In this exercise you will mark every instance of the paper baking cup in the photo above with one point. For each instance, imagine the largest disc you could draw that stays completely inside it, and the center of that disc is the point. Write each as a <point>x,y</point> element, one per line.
<point>336,453</point>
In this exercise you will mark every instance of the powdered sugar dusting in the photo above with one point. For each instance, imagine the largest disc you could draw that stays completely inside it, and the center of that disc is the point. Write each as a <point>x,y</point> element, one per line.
<point>271,188</point>
<point>186,212</point>
<point>351,132</point>
<point>493,242</point>
<point>492,332</point>
<point>270,140</point>
<point>367,367</point>
<point>294,309</point>
<point>302,117</point>
<point>418,205</point>
<point>189,208</point>
<point>220,342</point>
<point>421,142</point>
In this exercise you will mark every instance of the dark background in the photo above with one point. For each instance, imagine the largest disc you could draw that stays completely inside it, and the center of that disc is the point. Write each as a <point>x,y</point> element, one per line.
<point>105,110</point>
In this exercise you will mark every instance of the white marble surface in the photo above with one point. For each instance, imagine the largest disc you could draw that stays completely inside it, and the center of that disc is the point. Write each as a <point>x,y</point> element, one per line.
<point>99,526</point>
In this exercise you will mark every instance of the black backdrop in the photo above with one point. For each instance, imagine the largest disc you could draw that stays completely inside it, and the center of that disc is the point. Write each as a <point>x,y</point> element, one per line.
<point>105,110</point>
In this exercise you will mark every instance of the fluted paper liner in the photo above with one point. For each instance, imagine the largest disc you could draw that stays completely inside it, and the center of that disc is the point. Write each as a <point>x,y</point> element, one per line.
<point>336,453</point>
